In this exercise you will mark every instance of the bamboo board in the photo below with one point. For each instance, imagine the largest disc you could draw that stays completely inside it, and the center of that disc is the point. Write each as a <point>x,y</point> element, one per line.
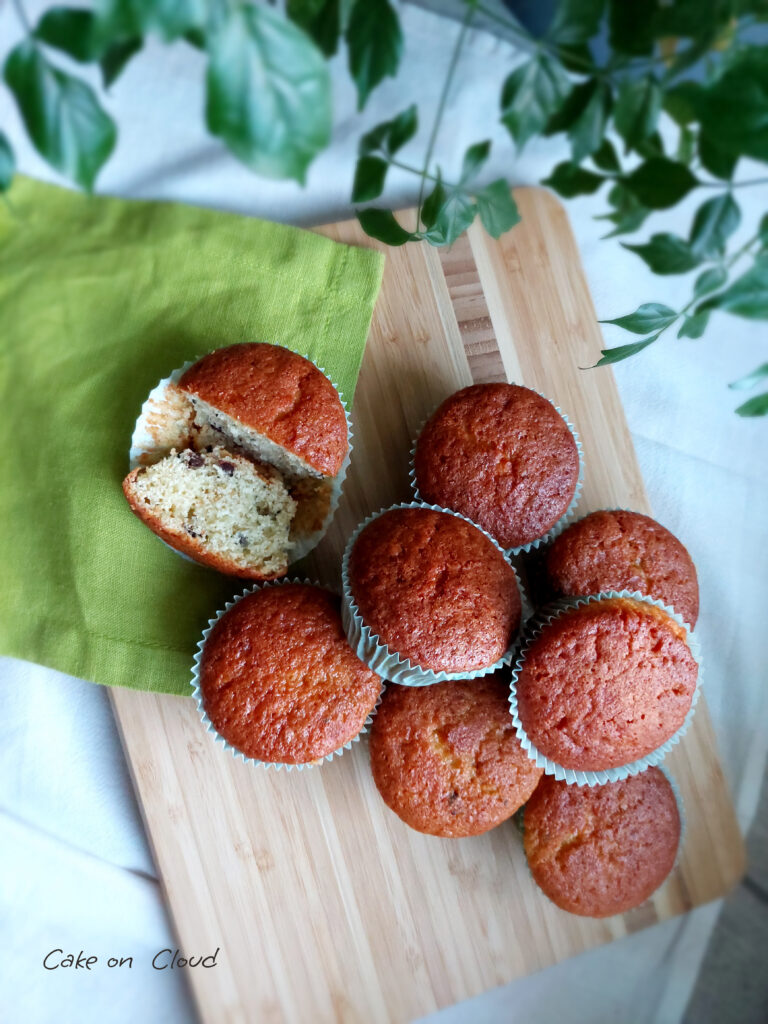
<point>325,905</point>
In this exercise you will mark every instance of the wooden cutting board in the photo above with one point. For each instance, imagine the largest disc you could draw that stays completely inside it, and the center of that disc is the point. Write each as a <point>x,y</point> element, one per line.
<point>325,906</point>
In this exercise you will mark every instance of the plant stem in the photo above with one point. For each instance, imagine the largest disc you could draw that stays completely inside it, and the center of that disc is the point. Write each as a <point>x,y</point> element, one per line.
<point>22,14</point>
<point>416,170</point>
<point>733,184</point>
<point>441,108</point>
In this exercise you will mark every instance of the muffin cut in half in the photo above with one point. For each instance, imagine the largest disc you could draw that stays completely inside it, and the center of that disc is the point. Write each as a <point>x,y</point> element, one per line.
<point>276,423</point>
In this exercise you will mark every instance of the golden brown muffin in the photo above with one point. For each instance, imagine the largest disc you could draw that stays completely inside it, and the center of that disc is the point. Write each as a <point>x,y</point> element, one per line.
<point>602,850</point>
<point>277,393</point>
<point>435,589</point>
<point>605,683</point>
<point>617,550</point>
<point>501,455</point>
<point>279,681</point>
<point>446,758</point>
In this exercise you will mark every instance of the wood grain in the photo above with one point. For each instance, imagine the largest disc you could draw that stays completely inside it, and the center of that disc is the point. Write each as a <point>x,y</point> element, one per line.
<point>327,907</point>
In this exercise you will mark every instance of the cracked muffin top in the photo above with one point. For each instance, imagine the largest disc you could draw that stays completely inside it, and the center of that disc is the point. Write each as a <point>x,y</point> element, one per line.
<point>602,850</point>
<point>446,759</point>
<point>605,683</point>
<point>278,679</point>
<point>277,393</point>
<point>435,589</point>
<point>617,550</point>
<point>501,455</point>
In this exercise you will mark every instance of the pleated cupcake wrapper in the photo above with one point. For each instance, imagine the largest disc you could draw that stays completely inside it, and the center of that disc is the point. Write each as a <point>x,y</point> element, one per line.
<point>566,517</point>
<point>388,664</point>
<point>144,443</point>
<point>632,511</point>
<point>596,778</point>
<point>211,728</point>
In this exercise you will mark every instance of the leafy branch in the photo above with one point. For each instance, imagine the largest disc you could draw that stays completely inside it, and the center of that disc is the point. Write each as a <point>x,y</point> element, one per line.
<point>268,99</point>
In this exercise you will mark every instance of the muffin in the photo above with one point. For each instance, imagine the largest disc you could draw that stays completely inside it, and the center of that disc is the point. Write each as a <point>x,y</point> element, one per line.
<point>604,684</point>
<point>604,850</point>
<point>278,680</point>
<point>434,590</point>
<point>253,403</point>
<point>446,758</point>
<point>504,457</point>
<point>618,550</point>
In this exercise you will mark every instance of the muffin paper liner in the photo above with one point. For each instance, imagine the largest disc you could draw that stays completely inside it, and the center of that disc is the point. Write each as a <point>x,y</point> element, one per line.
<point>566,517</point>
<point>144,445</point>
<point>595,778</point>
<point>632,511</point>
<point>377,655</point>
<point>210,727</point>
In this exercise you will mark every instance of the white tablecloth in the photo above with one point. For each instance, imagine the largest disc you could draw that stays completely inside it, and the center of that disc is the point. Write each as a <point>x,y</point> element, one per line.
<point>77,873</point>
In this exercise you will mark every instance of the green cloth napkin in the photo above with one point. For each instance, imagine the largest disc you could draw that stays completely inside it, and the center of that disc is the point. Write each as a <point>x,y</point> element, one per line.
<point>99,299</point>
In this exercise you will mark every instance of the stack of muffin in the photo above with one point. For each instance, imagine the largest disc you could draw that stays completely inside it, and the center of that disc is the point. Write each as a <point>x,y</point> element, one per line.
<point>487,708</point>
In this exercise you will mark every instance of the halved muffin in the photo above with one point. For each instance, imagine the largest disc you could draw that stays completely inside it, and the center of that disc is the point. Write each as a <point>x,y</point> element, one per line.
<point>273,416</point>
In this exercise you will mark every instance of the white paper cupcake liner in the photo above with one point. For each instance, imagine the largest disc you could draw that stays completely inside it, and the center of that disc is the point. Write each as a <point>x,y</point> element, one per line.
<point>211,728</point>
<point>596,778</point>
<point>566,517</point>
<point>145,446</point>
<point>377,655</point>
<point>632,511</point>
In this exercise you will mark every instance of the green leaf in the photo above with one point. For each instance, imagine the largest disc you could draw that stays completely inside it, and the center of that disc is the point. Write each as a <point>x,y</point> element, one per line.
<point>126,19</point>
<point>615,355</point>
<point>745,383</point>
<point>710,281</point>
<point>268,92</point>
<point>453,218</point>
<point>651,316</point>
<point>61,114</point>
<point>320,19</point>
<point>70,30</point>
<point>390,136</point>
<point>576,58</point>
<point>568,180</point>
<point>747,296</point>
<point>7,163</point>
<point>682,101</point>
<point>734,108</point>
<point>588,130</point>
<point>714,223</point>
<point>694,326</point>
<point>714,159</point>
<point>115,57</point>
<point>369,178</point>
<point>666,254</point>
<point>571,109</point>
<point>605,157</point>
<point>757,406</point>
<point>497,208</point>
<point>433,202</point>
<point>686,146</point>
<point>381,224</point>
<point>474,158</point>
<point>576,21</point>
<point>651,147</point>
<point>637,109</point>
<point>762,231</point>
<point>630,26</point>
<point>628,214</point>
<point>531,95</point>
<point>375,45</point>
<point>660,183</point>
